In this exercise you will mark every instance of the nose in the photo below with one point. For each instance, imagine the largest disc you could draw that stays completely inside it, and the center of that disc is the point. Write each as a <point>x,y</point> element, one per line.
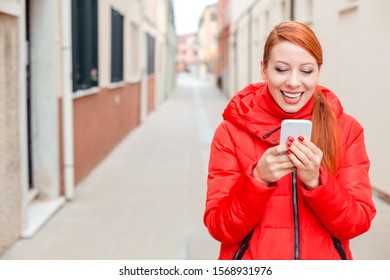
<point>293,79</point>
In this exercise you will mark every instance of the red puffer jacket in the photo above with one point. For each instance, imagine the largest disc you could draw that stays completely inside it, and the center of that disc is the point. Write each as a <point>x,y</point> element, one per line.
<point>236,202</point>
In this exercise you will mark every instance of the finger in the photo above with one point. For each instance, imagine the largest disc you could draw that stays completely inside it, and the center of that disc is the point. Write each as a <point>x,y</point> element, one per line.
<point>302,147</point>
<point>286,171</point>
<point>286,165</point>
<point>279,150</point>
<point>303,159</point>
<point>300,151</point>
<point>295,160</point>
<point>282,158</point>
<point>312,152</point>
<point>310,145</point>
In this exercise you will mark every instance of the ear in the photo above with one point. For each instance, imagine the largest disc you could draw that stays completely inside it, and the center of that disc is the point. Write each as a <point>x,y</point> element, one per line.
<point>263,71</point>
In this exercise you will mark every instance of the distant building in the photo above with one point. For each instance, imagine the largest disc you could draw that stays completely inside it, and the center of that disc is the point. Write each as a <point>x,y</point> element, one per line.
<point>208,40</point>
<point>187,53</point>
<point>221,69</point>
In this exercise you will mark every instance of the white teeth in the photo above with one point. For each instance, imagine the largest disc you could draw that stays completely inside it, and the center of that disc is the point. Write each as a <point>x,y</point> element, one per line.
<point>292,95</point>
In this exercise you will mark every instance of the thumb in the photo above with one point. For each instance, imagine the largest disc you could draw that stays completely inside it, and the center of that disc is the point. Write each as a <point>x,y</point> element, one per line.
<point>278,150</point>
<point>274,151</point>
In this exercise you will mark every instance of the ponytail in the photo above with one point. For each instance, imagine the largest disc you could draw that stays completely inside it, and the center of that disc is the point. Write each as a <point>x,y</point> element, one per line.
<point>326,134</point>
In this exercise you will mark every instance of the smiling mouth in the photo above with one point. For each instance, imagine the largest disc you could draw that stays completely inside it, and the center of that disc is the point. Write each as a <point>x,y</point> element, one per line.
<point>291,95</point>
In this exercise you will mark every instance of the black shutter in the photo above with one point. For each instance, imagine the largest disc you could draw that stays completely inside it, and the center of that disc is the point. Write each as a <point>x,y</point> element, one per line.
<point>84,44</point>
<point>150,54</point>
<point>116,46</point>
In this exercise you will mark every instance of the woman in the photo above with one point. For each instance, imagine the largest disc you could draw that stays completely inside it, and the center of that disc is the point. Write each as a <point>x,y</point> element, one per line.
<point>251,192</point>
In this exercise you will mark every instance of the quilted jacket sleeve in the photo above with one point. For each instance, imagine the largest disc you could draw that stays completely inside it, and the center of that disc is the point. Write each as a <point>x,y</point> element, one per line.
<point>344,202</point>
<point>235,199</point>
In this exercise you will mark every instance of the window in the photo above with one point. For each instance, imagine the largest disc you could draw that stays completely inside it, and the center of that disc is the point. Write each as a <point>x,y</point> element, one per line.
<point>213,17</point>
<point>150,41</point>
<point>116,46</point>
<point>84,44</point>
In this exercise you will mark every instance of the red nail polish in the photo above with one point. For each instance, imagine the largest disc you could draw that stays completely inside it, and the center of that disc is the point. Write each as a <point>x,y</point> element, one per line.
<point>288,152</point>
<point>291,139</point>
<point>289,144</point>
<point>300,138</point>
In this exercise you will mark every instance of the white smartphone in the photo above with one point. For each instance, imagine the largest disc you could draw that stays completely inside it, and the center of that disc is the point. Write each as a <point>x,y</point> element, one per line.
<point>295,128</point>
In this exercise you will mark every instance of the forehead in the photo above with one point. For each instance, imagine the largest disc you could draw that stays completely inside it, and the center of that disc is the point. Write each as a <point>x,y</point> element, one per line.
<point>290,53</point>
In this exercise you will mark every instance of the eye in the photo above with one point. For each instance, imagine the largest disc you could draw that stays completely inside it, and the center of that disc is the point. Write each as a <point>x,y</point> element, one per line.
<point>307,72</point>
<point>281,70</point>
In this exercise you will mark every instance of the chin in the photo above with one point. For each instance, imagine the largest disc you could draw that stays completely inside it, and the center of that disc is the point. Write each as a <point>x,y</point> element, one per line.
<point>290,109</point>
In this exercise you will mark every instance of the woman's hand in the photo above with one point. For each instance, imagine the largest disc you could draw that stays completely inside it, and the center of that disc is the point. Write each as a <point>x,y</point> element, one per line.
<point>306,157</point>
<point>273,165</point>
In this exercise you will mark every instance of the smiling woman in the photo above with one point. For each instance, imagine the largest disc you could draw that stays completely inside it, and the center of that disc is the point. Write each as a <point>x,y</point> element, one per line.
<point>300,199</point>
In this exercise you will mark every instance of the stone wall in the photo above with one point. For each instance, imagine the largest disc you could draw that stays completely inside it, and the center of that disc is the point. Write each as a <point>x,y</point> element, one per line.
<point>10,201</point>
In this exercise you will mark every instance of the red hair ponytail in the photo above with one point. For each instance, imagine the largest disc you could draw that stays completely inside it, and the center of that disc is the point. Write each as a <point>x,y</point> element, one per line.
<point>326,133</point>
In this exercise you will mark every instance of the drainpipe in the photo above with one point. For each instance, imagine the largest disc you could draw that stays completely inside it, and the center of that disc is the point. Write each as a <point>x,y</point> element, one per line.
<point>23,155</point>
<point>292,10</point>
<point>67,100</point>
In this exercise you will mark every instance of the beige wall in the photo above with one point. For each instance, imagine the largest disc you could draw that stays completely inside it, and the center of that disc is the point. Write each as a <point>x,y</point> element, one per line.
<point>356,41</point>
<point>10,190</point>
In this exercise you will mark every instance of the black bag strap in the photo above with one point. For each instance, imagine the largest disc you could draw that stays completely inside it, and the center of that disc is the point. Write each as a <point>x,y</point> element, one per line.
<point>243,247</point>
<point>339,247</point>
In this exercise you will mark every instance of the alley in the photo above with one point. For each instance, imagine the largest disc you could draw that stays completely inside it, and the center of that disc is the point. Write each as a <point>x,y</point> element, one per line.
<point>146,199</point>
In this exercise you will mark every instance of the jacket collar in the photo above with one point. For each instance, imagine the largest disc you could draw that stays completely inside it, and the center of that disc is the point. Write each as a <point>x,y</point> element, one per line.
<point>254,110</point>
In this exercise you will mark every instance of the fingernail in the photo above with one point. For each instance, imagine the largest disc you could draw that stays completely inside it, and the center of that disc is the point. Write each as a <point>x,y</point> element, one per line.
<point>289,144</point>
<point>291,139</point>
<point>288,152</point>
<point>300,138</point>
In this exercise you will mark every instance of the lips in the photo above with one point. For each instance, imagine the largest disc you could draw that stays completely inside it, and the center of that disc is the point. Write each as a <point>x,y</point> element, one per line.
<point>291,97</point>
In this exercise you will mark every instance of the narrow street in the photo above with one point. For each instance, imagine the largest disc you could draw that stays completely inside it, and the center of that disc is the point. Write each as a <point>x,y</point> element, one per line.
<point>146,199</point>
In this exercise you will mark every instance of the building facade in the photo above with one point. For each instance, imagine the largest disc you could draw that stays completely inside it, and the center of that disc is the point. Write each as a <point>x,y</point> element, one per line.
<point>222,57</point>
<point>187,53</point>
<point>355,40</point>
<point>208,40</point>
<point>75,78</point>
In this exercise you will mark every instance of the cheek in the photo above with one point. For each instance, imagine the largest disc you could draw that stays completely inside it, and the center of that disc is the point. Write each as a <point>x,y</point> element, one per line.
<point>311,82</point>
<point>275,81</point>
<point>310,85</point>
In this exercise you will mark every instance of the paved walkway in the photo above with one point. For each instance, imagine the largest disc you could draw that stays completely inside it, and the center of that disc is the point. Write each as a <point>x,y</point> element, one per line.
<point>146,199</point>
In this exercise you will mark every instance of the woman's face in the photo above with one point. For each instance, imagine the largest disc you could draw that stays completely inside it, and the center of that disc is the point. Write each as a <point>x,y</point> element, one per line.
<point>292,75</point>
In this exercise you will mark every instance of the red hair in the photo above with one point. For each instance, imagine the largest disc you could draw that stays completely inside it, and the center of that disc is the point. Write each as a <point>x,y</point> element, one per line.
<point>325,127</point>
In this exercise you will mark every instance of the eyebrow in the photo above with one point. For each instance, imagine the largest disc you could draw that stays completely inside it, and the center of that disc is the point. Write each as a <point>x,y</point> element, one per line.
<point>303,64</point>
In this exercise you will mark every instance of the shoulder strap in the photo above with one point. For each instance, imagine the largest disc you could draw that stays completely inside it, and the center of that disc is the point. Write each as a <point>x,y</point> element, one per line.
<point>339,247</point>
<point>243,247</point>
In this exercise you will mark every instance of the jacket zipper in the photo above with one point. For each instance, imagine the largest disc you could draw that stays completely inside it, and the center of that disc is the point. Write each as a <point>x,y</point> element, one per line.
<point>296,219</point>
<point>295,205</point>
<point>270,133</point>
